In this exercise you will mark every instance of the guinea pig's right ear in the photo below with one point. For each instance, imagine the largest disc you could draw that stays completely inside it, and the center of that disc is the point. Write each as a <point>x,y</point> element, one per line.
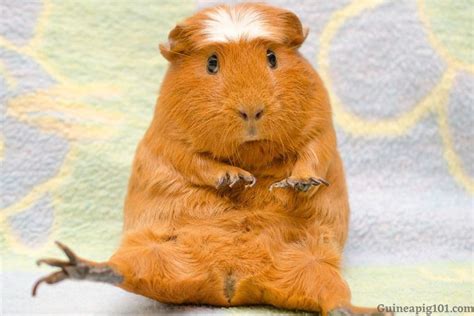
<point>295,33</point>
<point>177,43</point>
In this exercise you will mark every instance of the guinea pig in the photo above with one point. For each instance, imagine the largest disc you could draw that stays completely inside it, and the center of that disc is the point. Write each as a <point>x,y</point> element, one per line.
<point>237,194</point>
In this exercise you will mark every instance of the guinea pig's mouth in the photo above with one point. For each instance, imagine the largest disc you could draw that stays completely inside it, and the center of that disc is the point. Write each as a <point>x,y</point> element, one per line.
<point>253,138</point>
<point>253,141</point>
<point>256,141</point>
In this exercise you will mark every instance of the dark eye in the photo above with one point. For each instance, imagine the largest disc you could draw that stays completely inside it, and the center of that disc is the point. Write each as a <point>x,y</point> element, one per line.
<point>272,59</point>
<point>212,64</point>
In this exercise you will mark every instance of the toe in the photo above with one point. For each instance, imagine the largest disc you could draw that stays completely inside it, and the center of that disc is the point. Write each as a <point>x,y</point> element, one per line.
<point>249,179</point>
<point>280,184</point>
<point>318,181</point>
<point>233,180</point>
<point>69,253</point>
<point>223,181</point>
<point>50,279</point>
<point>302,186</point>
<point>53,262</point>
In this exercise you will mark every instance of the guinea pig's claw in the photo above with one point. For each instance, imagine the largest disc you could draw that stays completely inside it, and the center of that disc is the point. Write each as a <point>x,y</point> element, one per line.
<point>279,184</point>
<point>252,180</point>
<point>300,185</point>
<point>230,180</point>
<point>318,181</point>
<point>233,181</point>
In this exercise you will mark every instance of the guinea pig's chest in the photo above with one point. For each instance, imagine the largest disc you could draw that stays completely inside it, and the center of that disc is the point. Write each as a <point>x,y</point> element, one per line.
<point>260,197</point>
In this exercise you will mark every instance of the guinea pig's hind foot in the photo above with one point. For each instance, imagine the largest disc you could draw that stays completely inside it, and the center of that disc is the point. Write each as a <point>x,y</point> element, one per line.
<point>76,269</point>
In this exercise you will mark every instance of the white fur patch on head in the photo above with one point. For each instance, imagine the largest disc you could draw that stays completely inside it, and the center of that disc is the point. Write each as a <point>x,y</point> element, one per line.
<point>228,24</point>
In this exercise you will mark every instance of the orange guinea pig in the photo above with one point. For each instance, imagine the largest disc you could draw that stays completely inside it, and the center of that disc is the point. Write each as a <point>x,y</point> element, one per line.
<point>237,194</point>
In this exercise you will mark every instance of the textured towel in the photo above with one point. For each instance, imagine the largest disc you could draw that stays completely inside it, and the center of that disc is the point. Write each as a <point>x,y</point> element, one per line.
<point>78,84</point>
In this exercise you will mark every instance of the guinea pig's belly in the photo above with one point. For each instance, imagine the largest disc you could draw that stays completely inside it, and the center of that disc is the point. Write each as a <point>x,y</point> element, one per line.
<point>232,232</point>
<point>231,237</point>
<point>235,248</point>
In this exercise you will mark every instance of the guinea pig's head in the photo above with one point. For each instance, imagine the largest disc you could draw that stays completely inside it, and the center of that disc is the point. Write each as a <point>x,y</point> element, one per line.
<point>236,82</point>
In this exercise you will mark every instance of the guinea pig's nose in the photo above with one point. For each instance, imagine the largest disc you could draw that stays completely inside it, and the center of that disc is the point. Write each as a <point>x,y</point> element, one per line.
<point>246,115</point>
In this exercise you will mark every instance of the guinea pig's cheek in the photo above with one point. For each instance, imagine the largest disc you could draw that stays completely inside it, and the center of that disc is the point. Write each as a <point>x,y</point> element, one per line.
<point>278,106</point>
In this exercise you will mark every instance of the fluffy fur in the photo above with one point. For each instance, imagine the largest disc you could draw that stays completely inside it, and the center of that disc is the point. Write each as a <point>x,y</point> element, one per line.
<point>227,24</point>
<point>194,231</point>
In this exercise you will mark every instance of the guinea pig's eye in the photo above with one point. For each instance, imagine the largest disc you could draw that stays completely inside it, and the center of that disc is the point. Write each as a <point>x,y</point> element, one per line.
<point>272,59</point>
<point>212,64</point>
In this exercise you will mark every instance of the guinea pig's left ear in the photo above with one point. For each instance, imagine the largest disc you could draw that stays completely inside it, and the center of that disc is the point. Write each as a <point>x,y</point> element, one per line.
<point>165,51</point>
<point>293,31</point>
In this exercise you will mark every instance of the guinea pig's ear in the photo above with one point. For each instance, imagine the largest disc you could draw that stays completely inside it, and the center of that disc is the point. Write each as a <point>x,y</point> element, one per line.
<point>177,43</point>
<point>295,33</point>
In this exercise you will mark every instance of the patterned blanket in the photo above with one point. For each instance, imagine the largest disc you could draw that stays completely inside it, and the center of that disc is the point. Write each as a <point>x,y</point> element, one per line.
<point>78,83</point>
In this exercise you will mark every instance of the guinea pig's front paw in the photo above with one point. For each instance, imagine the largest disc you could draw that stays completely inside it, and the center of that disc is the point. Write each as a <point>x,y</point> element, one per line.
<point>299,184</point>
<point>234,176</point>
